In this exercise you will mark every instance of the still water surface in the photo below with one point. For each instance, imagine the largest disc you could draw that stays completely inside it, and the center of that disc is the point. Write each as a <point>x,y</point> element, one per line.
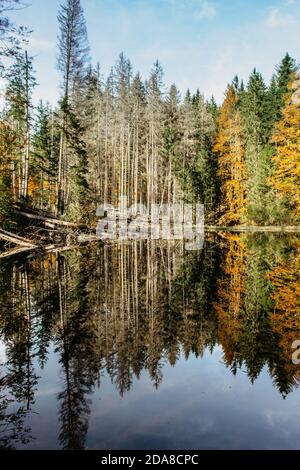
<point>143,345</point>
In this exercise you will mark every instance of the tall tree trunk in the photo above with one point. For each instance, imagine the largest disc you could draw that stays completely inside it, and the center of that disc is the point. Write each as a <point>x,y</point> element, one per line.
<point>25,176</point>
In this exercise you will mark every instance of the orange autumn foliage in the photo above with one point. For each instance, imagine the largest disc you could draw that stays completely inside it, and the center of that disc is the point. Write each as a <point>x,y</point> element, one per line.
<point>230,305</point>
<point>286,177</point>
<point>229,148</point>
<point>7,142</point>
<point>286,317</point>
<point>33,186</point>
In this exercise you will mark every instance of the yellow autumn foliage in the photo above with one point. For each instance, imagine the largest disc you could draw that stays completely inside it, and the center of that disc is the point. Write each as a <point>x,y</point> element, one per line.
<point>229,147</point>
<point>286,296</point>
<point>229,307</point>
<point>7,142</point>
<point>286,177</point>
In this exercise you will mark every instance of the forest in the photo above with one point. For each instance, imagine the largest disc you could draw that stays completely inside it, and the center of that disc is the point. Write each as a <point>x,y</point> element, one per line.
<point>76,315</point>
<point>120,135</point>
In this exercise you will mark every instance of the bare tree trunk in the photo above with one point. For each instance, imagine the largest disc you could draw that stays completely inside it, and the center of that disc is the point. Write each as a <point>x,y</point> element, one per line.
<point>59,194</point>
<point>25,176</point>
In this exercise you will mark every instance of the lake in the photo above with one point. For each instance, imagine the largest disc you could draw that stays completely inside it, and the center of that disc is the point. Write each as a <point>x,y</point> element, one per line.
<point>147,345</point>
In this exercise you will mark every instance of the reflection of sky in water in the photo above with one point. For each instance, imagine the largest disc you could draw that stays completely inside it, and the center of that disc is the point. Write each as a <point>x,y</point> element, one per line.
<point>2,353</point>
<point>200,404</point>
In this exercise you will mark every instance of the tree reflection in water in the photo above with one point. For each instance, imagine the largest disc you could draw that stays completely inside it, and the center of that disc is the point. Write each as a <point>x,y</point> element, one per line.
<point>132,307</point>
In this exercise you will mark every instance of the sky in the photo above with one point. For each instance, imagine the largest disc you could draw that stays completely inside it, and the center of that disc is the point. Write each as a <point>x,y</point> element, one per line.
<point>200,43</point>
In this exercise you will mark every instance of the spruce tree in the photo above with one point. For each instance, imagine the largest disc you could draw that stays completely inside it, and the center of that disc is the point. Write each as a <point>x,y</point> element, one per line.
<point>21,83</point>
<point>7,148</point>
<point>78,192</point>
<point>73,61</point>
<point>196,168</point>
<point>279,87</point>
<point>258,152</point>
<point>45,142</point>
<point>213,108</point>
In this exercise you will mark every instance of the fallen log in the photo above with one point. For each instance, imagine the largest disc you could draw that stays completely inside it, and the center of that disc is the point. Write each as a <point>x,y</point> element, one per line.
<point>17,251</point>
<point>37,250</point>
<point>49,221</point>
<point>15,239</point>
<point>85,238</point>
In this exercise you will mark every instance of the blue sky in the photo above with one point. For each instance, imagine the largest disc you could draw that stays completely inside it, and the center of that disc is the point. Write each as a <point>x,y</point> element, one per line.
<point>200,43</point>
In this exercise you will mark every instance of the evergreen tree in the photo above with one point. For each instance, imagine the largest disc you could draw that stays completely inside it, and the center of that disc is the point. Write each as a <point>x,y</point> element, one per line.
<point>258,154</point>
<point>73,60</point>
<point>21,83</point>
<point>79,193</point>
<point>7,147</point>
<point>196,168</point>
<point>279,86</point>
<point>45,142</point>
<point>213,108</point>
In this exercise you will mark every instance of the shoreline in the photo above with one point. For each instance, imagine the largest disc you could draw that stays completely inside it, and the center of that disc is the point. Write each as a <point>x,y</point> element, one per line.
<point>80,235</point>
<point>254,228</point>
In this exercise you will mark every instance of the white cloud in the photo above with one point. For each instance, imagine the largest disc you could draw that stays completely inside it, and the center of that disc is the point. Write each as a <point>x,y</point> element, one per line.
<point>206,10</point>
<point>41,44</point>
<point>198,9</point>
<point>277,19</point>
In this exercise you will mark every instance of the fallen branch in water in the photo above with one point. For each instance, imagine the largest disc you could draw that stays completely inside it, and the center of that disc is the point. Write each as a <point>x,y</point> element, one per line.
<point>37,250</point>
